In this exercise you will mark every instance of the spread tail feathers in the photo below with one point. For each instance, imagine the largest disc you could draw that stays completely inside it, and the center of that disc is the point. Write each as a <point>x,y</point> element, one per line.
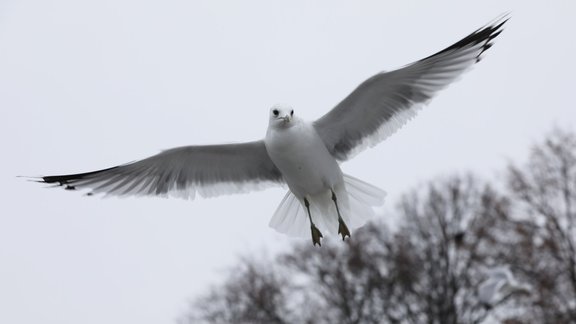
<point>291,218</point>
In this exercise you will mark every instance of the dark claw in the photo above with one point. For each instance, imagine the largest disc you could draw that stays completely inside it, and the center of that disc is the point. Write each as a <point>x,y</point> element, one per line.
<point>343,229</point>
<point>316,235</point>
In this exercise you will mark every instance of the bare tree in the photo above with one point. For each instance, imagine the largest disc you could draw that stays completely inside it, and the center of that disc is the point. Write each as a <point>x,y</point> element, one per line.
<point>447,238</point>
<point>428,272</point>
<point>346,282</point>
<point>253,293</point>
<point>545,190</point>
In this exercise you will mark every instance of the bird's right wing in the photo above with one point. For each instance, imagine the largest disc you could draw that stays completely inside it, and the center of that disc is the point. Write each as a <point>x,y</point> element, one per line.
<point>207,170</point>
<point>384,102</point>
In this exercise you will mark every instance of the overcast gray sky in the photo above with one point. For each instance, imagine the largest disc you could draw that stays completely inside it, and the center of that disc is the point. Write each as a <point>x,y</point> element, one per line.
<point>86,85</point>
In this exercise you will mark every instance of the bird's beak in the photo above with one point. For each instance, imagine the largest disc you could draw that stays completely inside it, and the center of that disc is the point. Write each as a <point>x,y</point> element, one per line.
<point>287,118</point>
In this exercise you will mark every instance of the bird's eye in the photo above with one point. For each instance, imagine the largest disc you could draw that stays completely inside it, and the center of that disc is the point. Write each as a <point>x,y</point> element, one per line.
<point>275,112</point>
<point>292,113</point>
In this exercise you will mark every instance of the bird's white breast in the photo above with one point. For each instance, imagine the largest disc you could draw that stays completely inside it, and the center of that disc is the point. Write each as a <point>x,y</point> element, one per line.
<point>303,159</point>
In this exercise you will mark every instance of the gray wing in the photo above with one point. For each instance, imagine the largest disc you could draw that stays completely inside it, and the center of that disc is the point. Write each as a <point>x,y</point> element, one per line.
<point>208,170</point>
<point>386,101</point>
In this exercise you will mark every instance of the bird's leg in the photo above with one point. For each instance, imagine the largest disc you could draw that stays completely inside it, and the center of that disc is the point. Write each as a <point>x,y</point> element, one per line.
<point>316,235</point>
<point>342,228</point>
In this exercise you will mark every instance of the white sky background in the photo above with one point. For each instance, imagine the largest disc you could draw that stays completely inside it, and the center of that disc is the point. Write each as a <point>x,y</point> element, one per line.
<point>86,85</point>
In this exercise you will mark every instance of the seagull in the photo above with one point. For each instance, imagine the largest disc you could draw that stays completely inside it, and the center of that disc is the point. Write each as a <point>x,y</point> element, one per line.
<point>303,155</point>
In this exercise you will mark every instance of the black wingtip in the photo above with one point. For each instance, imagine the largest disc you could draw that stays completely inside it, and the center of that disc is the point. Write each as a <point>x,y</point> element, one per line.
<point>484,35</point>
<point>38,179</point>
<point>493,29</point>
<point>67,181</point>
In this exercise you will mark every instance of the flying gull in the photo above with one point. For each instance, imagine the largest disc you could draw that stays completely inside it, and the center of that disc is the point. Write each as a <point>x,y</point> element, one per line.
<point>303,155</point>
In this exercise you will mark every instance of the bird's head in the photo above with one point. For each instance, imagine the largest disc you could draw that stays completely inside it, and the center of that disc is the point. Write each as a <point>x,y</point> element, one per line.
<point>281,115</point>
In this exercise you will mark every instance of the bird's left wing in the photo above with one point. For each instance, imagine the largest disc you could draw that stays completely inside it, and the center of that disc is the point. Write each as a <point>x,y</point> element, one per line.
<point>182,172</point>
<point>383,103</point>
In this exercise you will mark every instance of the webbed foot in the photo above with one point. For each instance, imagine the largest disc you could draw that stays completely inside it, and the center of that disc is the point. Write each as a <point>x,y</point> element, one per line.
<point>343,229</point>
<point>316,235</point>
